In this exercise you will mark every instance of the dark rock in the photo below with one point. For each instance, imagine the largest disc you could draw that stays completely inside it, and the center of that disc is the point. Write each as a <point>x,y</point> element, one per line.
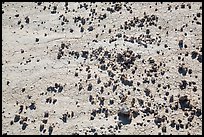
<point>147,31</point>
<point>190,118</point>
<point>50,130</point>
<point>180,44</point>
<point>198,112</point>
<point>60,89</point>
<point>183,98</point>
<point>32,106</point>
<point>44,121</point>
<point>182,6</point>
<point>89,87</point>
<point>16,118</point>
<point>64,118</point>
<point>82,30</point>
<point>110,73</point>
<point>194,54</point>
<point>164,129</point>
<point>54,101</point>
<point>90,28</point>
<point>11,123</point>
<point>124,115</point>
<point>102,90</point>
<point>103,67</point>
<point>183,84</point>
<point>157,120</point>
<point>184,102</point>
<point>147,92</point>
<point>72,114</point>
<point>90,98</point>
<point>182,71</point>
<point>76,74</point>
<point>126,82</point>
<point>171,99</point>
<point>199,58</point>
<point>88,76</point>
<point>41,127</point>
<point>111,101</point>
<point>173,123</point>
<point>101,99</point>
<point>53,12</point>
<point>49,100</point>
<point>75,133</point>
<point>119,35</point>
<point>27,19</point>
<point>98,81</point>
<point>23,89</point>
<point>46,114</point>
<point>92,118</point>
<point>85,54</point>
<point>83,21</point>
<point>114,87</point>
<point>120,58</point>
<point>80,87</point>
<point>140,101</point>
<point>135,113</point>
<point>37,39</point>
<point>24,126</point>
<point>21,109</point>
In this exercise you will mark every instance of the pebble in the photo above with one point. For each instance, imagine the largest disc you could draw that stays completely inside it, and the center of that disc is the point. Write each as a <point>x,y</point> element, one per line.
<point>90,28</point>
<point>16,118</point>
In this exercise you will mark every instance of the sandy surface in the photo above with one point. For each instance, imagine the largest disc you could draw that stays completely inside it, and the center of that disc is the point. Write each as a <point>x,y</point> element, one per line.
<point>102,68</point>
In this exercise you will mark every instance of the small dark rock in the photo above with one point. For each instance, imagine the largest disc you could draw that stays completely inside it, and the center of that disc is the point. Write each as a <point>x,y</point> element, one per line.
<point>64,118</point>
<point>147,92</point>
<point>41,127</point>
<point>199,58</point>
<point>16,118</point>
<point>11,123</point>
<point>72,114</point>
<point>157,120</point>
<point>37,39</point>
<point>141,102</point>
<point>183,84</point>
<point>164,129</point>
<point>180,44</point>
<point>198,112</point>
<point>83,21</point>
<point>89,87</point>
<point>44,121</point>
<point>32,106</point>
<point>27,19</point>
<point>46,114</point>
<point>190,118</point>
<point>60,89</point>
<point>50,130</point>
<point>194,54</point>
<point>92,118</point>
<point>171,99</point>
<point>90,28</point>
<point>24,126</point>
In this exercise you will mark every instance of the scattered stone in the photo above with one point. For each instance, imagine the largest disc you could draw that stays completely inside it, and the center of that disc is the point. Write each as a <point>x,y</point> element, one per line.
<point>27,20</point>
<point>50,130</point>
<point>16,118</point>
<point>89,87</point>
<point>46,114</point>
<point>164,129</point>
<point>41,127</point>
<point>90,28</point>
<point>24,126</point>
